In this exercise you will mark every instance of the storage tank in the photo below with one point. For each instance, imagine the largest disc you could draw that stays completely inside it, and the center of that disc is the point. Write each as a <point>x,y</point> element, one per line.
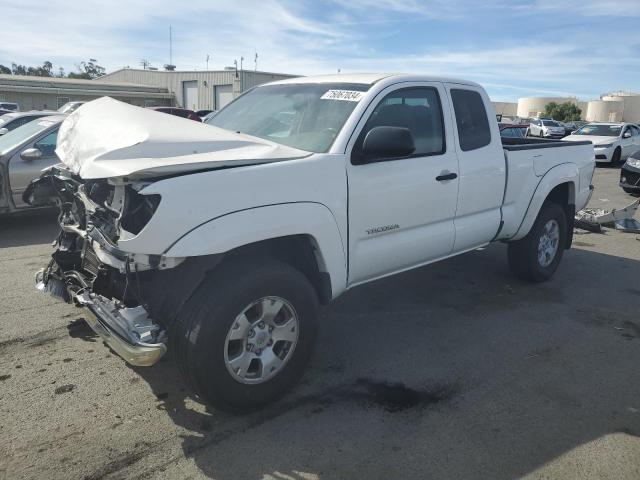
<point>534,106</point>
<point>631,105</point>
<point>605,110</point>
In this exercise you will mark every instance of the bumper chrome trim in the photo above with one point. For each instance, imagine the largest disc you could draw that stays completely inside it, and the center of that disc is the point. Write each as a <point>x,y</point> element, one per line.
<point>108,322</point>
<point>123,329</point>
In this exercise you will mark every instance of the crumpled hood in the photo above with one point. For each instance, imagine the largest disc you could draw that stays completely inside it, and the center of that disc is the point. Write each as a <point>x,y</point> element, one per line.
<point>595,139</point>
<point>107,138</point>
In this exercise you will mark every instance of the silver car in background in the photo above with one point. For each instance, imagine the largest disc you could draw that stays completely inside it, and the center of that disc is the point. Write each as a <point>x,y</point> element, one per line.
<point>542,127</point>
<point>24,153</point>
<point>11,121</point>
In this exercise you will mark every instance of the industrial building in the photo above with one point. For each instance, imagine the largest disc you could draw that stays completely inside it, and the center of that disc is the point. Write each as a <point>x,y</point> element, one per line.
<point>615,107</point>
<point>50,93</point>
<point>507,109</point>
<point>530,107</point>
<point>611,107</point>
<point>197,89</point>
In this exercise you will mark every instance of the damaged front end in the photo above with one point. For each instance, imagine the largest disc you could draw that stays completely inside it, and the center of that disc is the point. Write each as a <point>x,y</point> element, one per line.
<point>125,295</point>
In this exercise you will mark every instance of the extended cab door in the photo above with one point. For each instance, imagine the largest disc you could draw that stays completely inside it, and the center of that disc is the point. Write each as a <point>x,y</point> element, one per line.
<point>482,169</point>
<point>21,172</point>
<point>401,209</point>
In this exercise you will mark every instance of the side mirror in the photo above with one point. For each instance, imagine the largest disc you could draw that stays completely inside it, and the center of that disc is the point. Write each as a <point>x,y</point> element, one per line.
<point>388,142</point>
<point>3,131</point>
<point>31,154</point>
<point>626,134</point>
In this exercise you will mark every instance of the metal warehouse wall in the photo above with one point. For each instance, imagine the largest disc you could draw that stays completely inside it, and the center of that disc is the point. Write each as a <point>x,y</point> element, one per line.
<point>51,101</point>
<point>206,81</point>
<point>49,93</point>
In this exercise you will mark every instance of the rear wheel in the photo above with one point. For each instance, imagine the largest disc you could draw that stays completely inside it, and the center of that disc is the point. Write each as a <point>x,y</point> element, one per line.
<point>536,257</point>
<point>246,335</point>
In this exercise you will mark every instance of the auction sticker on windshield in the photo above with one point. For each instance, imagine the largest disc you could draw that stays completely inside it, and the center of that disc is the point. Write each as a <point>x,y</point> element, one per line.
<point>345,95</point>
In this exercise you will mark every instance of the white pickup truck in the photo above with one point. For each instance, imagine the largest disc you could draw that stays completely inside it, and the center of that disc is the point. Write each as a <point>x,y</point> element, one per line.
<point>219,241</point>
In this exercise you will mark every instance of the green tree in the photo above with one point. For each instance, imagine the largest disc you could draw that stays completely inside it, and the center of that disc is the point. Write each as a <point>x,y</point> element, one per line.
<point>18,69</point>
<point>563,112</point>
<point>5,70</point>
<point>42,71</point>
<point>88,70</point>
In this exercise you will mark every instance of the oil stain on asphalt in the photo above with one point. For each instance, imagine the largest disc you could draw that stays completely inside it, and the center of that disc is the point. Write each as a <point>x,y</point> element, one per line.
<point>397,397</point>
<point>64,389</point>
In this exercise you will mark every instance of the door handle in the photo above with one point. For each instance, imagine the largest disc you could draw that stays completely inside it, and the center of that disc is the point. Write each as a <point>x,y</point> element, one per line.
<point>446,176</point>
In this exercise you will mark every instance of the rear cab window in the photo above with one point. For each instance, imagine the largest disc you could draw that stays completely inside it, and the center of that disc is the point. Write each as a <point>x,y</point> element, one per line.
<point>471,119</point>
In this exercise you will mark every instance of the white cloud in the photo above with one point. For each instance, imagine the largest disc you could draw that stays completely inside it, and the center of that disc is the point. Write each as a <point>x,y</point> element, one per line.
<point>301,37</point>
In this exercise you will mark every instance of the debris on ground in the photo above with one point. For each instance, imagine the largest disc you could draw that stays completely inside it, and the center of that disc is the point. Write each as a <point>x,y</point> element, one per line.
<point>593,219</point>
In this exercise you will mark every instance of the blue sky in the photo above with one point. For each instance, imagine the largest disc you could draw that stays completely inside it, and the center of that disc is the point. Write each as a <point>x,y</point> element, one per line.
<point>514,48</point>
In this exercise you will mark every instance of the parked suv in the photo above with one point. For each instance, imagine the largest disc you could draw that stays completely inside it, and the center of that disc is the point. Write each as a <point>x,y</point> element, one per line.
<point>14,107</point>
<point>540,127</point>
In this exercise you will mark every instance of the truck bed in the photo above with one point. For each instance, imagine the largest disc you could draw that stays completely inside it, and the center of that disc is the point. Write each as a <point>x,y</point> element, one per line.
<point>533,158</point>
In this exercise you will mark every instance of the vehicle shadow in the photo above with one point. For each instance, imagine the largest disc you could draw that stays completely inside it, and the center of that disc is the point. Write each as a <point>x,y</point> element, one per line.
<point>452,371</point>
<point>28,228</point>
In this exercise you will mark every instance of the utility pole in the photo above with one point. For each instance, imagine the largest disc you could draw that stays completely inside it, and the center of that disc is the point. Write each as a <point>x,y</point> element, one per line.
<point>241,60</point>
<point>207,61</point>
<point>145,63</point>
<point>255,60</point>
<point>170,46</point>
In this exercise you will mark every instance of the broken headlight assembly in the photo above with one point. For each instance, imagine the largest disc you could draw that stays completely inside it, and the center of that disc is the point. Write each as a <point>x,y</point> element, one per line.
<point>138,210</point>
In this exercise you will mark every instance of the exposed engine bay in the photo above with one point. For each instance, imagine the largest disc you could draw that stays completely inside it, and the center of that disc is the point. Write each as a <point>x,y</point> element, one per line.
<point>133,298</point>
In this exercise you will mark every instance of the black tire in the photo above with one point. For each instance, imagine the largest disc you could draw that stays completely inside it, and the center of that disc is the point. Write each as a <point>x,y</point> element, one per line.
<point>615,159</point>
<point>630,191</point>
<point>523,254</point>
<point>541,134</point>
<point>199,334</point>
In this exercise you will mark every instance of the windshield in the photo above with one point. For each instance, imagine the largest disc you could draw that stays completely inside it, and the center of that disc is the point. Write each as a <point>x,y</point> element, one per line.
<point>12,139</point>
<point>304,116</point>
<point>600,130</point>
<point>550,123</point>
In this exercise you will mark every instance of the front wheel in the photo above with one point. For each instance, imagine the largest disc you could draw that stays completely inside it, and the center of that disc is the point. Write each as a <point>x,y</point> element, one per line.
<point>536,257</point>
<point>246,335</point>
<point>617,154</point>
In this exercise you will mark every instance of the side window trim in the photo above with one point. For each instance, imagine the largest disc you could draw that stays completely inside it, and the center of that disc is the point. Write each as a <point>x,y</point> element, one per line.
<point>443,151</point>
<point>473,90</point>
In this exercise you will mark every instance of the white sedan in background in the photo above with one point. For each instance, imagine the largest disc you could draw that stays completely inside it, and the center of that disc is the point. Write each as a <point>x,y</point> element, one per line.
<point>612,142</point>
<point>542,127</point>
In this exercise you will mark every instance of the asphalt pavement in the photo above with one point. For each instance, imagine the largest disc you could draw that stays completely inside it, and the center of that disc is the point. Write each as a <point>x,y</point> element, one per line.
<point>456,370</point>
